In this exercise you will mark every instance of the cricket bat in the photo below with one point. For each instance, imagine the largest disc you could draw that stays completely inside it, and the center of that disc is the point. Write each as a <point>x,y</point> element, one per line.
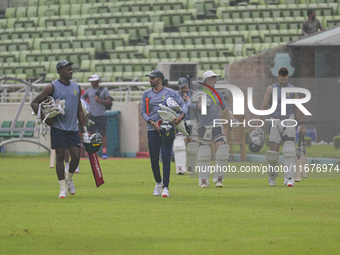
<point>304,158</point>
<point>301,159</point>
<point>96,170</point>
<point>298,162</point>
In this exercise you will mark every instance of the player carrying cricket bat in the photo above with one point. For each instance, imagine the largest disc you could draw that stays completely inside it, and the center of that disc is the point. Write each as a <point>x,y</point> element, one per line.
<point>64,127</point>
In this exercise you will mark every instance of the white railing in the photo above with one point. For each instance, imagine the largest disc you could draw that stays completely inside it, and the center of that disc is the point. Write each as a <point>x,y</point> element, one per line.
<point>120,91</point>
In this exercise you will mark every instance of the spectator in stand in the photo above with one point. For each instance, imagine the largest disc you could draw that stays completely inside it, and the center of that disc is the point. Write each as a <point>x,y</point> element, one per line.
<point>312,25</point>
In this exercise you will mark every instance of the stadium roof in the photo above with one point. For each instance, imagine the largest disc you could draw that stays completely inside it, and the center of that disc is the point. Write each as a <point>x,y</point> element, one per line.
<point>330,37</point>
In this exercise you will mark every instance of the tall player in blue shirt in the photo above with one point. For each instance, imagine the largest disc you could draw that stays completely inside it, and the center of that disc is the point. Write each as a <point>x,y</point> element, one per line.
<point>64,128</point>
<point>158,94</point>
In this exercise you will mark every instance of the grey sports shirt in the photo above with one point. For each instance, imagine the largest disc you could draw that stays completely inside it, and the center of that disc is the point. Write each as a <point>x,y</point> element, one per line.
<point>70,93</point>
<point>213,110</point>
<point>159,98</point>
<point>97,109</point>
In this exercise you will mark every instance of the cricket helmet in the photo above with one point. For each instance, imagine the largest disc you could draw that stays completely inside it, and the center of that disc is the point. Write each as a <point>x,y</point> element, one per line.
<point>256,140</point>
<point>167,132</point>
<point>95,142</point>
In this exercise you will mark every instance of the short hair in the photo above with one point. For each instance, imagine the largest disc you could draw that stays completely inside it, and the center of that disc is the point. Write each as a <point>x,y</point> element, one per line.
<point>309,12</point>
<point>283,71</point>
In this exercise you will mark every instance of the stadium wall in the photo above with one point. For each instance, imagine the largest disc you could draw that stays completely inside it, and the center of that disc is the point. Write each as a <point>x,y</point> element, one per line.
<point>130,128</point>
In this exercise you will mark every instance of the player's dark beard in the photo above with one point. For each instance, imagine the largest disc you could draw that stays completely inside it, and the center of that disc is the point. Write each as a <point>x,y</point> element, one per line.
<point>153,83</point>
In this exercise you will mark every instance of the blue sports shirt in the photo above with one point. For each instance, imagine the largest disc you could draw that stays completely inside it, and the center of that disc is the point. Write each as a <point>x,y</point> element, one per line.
<point>70,93</point>
<point>159,98</point>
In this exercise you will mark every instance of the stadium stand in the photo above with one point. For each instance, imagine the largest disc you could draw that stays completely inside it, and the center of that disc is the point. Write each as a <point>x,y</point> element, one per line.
<point>20,127</point>
<point>122,40</point>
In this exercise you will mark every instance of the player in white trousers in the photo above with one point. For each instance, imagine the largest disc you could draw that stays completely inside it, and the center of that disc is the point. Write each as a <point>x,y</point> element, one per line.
<point>209,134</point>
<point>186,148</point>
<point>282,130</point>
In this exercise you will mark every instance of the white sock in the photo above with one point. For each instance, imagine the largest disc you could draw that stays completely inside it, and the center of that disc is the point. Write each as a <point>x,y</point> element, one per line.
<point>69,176</point>
<point>67,167</point>
<point>62,184</point>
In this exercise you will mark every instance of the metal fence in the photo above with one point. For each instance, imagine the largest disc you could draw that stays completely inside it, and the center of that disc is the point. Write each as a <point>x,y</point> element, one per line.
<point>14,90</point>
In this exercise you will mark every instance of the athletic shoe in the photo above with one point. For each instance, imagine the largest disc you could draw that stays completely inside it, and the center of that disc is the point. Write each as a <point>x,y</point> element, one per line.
<point>272,182</point>
<point>165,192</point>
<point>219,183</point>
<point>104,156</point>
<point>70,187</point>
<point>77,170</point>
<point>181,172</point>
<point>62,193</point>
<point>290,184</point>
<point>158,189</point>
<point>204,184</point>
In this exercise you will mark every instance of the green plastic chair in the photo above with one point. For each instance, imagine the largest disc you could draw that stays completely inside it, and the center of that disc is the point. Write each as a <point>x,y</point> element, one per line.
<point>5,124</point>
<point>18,124</point>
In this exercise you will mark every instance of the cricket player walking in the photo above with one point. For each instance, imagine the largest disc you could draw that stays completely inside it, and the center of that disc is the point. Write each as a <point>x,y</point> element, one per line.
<point>152,100</point>
<point>186,148</point>
<point>64,128</point>
<point>208,133</point>
<point>282,133</point>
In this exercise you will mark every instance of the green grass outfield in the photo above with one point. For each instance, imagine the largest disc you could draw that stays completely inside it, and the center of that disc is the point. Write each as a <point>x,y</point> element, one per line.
<point>246,216</point>
<point>313,151</point>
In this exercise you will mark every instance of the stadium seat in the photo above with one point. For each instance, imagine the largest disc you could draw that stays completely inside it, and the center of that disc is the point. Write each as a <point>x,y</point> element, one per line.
<point>45,67</point>
<point>64,10</point>
<point>21,12</point>
<point>239,50</point>
<point>75,9</point>
<point>5,124</point>
<point>48,10</point>
<point>23,23</point>
<point>10,12</point>
<point>254,2</point>
<point>3,46</point>
<point>18,124</point>
<point>11,22</point>
<point>32,11</point>
<point>266,13</point>
<point>255,37</point>
<point>298,12</point>
<point>51,77</point>
<point>48,2</point>
<point>9,56</point>
<point>330,21</point>
<point>29,124</point>
<point>3,24</point>
<point>274,2</point>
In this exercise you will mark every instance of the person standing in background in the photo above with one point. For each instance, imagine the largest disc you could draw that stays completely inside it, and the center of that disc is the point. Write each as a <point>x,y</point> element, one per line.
<point>99,97</point>
<point>312,25</point>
